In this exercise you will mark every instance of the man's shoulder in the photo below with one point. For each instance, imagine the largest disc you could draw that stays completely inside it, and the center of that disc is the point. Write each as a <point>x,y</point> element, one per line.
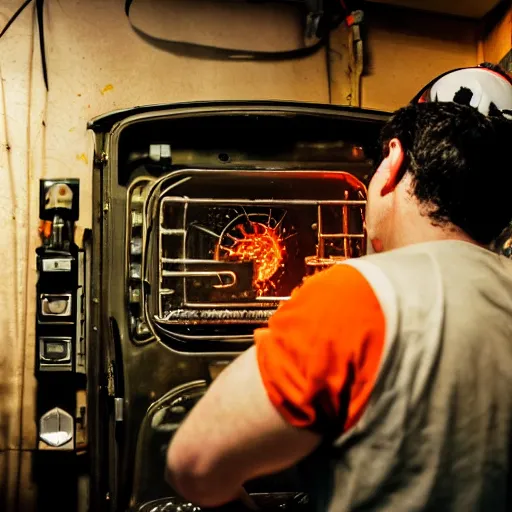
<point>409,270</point>
<point>435,265</point>
<point>437,252</point>
<point>403,257</point>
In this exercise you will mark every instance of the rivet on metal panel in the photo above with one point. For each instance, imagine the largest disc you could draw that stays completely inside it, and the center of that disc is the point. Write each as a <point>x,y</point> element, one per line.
<point>102,158</point>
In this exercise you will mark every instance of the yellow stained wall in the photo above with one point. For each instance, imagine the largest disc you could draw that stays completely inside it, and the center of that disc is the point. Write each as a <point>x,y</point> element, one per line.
<point>496,36</point>
<point>408,49</point>
<point>96,65</point>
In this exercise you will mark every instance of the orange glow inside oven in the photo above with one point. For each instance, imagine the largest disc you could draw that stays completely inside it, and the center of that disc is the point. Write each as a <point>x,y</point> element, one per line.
<point>261,244</point>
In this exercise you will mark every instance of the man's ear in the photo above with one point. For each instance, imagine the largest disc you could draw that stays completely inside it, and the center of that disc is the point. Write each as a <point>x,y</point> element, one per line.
<point>395,160</point>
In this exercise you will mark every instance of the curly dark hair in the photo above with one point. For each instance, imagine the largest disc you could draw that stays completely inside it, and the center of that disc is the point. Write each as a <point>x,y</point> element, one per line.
<point>460,165</point>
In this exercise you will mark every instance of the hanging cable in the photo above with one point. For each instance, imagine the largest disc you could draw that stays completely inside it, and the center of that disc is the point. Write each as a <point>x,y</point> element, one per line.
<point>322,16</point>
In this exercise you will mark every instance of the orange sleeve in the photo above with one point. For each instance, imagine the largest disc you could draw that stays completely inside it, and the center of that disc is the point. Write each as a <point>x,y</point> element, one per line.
<point>320,355</point>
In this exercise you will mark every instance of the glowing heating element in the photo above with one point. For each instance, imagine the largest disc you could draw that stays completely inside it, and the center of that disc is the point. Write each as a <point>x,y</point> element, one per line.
<point>261,244</point>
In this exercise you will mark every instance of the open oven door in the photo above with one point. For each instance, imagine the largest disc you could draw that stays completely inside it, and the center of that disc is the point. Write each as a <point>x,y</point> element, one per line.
<point>206,216</point>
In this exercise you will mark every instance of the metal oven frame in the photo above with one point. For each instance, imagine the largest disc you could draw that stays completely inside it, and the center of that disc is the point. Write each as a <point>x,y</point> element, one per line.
<point>128,374</point>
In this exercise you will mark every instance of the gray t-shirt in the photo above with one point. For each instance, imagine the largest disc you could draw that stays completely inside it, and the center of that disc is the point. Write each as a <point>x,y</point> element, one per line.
<point>436,434</point>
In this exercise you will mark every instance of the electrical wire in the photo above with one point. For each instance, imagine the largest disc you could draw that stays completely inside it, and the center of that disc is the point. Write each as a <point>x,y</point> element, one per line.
<point>40,22</point>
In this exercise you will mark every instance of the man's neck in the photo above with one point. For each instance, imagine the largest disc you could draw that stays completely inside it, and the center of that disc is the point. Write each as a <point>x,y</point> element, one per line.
<point>415,228</point>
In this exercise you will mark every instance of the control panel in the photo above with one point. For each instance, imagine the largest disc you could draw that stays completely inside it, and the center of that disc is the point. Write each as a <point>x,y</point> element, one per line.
<point>60,320</point>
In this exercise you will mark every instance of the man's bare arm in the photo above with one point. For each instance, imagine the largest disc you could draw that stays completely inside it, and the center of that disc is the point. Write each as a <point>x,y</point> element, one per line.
<point>232,435</point>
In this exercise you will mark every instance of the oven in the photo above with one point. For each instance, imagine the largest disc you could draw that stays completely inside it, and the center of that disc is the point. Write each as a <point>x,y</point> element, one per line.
<point>205,217</point>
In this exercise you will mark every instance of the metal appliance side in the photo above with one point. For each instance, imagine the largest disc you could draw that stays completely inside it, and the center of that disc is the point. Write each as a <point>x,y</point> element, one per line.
<point>141,375</point>
<point>98,417</point>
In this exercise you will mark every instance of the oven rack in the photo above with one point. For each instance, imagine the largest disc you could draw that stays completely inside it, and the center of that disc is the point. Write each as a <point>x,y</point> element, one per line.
<point>190,309</point>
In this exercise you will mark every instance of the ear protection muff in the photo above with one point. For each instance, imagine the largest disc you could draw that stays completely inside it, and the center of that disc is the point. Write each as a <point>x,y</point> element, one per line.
<point>485,87</point>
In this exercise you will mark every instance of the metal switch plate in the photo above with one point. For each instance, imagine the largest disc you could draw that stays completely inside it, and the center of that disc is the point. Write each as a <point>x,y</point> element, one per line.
<point>57,265</point>
<point>55,354</point>
<point>56,428</point>
<point>56,304</point>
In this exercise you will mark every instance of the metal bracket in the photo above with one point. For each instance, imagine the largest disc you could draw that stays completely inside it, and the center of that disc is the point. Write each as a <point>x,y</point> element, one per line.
<point>160,152</point>
<point>119,409</point>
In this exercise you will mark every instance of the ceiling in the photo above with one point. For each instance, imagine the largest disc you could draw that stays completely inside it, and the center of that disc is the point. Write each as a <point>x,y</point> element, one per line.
<point>466,8</point>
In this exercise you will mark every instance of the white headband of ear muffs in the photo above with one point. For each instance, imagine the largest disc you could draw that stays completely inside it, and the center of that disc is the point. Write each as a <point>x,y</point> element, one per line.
<point>484,89</point>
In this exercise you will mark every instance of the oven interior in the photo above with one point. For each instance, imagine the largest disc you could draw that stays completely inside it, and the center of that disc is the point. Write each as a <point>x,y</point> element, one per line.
<point>222,249</point>
<point>216,212</point>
